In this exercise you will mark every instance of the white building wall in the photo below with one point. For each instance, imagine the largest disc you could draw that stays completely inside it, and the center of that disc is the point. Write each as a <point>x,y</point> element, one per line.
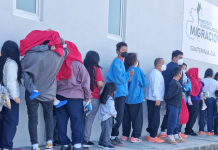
<point>153,29</point>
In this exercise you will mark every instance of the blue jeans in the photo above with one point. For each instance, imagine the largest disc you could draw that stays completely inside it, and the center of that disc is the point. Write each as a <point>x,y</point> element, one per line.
<point>173,120</point>
<point>210,102</point>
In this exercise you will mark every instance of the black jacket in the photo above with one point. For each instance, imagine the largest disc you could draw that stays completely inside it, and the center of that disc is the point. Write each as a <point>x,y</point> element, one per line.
<point>174,95</point>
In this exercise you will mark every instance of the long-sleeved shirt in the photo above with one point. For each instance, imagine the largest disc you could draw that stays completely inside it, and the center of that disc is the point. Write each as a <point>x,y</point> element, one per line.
<point>188,89</point>
<point>78,86</point>
<point>135,87</point>
<point>156,89</point>
<point>198,98</point>
<point>107,110</point>
<point>210,85</point>
<point>174,95</point>
<point>117,74</point>
<point>167,75</point>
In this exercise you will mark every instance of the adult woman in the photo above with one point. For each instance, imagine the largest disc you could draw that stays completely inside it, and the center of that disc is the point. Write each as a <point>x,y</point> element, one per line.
<point>10,77</point>
<point>91,63</point>
<point>133,112</point>
<point>210,86</point>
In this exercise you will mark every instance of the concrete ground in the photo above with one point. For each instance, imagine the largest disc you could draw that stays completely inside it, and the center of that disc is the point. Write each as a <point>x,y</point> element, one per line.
<point>201,142</point>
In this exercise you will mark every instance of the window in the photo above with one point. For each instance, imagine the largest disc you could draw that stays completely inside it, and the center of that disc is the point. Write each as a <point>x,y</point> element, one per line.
<point>27,8</point>
<point>115,19</point>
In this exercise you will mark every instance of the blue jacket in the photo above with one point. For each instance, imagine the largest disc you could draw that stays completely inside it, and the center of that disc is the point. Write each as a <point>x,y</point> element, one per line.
<point>139,81</point>
<point>188,89</point>
<point>117,74</point>
<point>167,75</point>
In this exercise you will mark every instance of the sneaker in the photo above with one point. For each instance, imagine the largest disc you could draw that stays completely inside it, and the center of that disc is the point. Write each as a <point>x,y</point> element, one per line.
<point>99,145</point>
<point>210,133</point>
<point>204,107</point>
<point>49,146</point>
<point>34,95</point>
<point>116,142</point>
<point>190,133</point>
<point>87,144</point>
<point>183,135</point>
<point>155,140</point>
<point>202,133</point>
<point>124,138</point>
<point>162,135</point>
<point>31,149</point>
<point>171,140</point>
<point>135,140</point>
<point>109,147</point>
<point>66,148</point>
<point>180,140</point>
<point>55,144</point>
<point>190,103</point>
<point>61,103</point>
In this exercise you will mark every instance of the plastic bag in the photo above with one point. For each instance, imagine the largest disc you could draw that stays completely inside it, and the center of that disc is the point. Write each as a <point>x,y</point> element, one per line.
<point>5,101</point>
<point>87,107</point>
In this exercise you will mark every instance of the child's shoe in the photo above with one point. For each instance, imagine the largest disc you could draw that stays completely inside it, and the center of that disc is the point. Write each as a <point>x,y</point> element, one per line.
<point>108,147</point>
<point>210,133</point>
<point>155,140</point>
<point>61,103</point>
<point>49,146</point>
<point>202,133</point>
<point>162,135</point>
<point>124,138</point>
<point>135,140</point>
<point>180,140</point>
<point>204,107</point>
<point>34,95</point>
<point>171,140</point>
<point>100,145</point>
<point>183,135</point>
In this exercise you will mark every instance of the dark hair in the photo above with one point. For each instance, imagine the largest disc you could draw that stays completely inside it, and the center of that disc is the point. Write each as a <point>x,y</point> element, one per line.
<point>176,53</point>
<point>109,89</point>
<point>157,60</point>
<point>119,45</point>
<point>216,75</point>
<point>130,60</point>
<point>176,70</point>
<point>91,60</point>
<point>184,64</point>
<point>10,50</point>
<point>216,93</point>
<point>208,73</point>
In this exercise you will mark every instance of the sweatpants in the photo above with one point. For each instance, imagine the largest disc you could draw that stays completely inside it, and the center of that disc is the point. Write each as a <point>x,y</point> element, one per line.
<point>8,125</point>
<point>165,120</point>
<point>173,120</point>
<point>119,106</point>
<point>210,102</point>
<point>133,116</point>
<point>74,111</point>
<point>193,114</point>
<point>32,111</point>
<point>28,82</point>
<point>153,118</point>
<point>106,128</point>
<point>90,119</point>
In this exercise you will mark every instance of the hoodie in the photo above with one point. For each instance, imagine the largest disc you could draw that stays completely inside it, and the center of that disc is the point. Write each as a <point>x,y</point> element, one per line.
<point>196,84</point>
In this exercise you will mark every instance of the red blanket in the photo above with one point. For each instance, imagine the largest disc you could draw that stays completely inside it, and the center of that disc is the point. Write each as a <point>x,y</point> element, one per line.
<point>74,55</point>
<point>184,114</point>
<point>37,37</point>
<point>196,84</point>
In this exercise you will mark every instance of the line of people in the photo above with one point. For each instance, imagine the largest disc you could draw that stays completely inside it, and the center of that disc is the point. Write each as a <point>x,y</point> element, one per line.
<point>55,76</point>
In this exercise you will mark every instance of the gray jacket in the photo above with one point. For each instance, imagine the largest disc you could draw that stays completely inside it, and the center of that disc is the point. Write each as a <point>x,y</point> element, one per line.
<point>43,65</point>
<point>107,110</point>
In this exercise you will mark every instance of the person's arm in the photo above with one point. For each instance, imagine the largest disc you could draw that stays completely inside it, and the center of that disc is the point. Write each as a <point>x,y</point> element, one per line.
<point>100,85</point>
<point>111,108</point>
<point>40,48</point>
<point>3,89</point>
<point>143,81</point>
<point>99,79</point>
<point>172,91</point>
<point>155,89</point>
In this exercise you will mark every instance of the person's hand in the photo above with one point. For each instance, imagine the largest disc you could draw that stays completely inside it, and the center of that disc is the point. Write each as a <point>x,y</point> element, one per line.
<point>131,73</point>
<point>200,79</point>
<point>88,100</point>
<point>17,100</point>
<point>183,95</point>
<point>185,83</point>
<point>53,48</point>
<point>158,102</point>
<point>49,29</point>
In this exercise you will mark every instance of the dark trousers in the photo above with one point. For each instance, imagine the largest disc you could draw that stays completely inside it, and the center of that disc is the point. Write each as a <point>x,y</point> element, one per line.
<point>55,135</point>
<point>210,102</point>
<point>193,114</point>
<point>173,120</point>
<point>216,125</point>
<point>153,118</point>
<point>106,128</point>
<point>32,111</point>
<point>164,122</point>
<point>74,111</point>
<point>119,106</point>
<point>180,128</point>
<point>8,125</point>
<point>133,116</point>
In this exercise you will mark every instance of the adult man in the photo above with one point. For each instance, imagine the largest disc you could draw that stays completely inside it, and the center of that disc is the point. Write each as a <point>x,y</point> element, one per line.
<point>177,59</point>
<point>154,95</point>
<point>42,65</point>
<point>120,77</point>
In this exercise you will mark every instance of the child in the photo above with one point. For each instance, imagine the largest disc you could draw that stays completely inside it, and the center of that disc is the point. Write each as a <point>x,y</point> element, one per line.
<point>133,112</point>
<point>106,114</point>
<point>173,99</point>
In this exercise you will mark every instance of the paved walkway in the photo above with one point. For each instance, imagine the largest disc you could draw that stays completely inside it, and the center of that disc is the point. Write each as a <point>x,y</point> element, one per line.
<point>201,142</point>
